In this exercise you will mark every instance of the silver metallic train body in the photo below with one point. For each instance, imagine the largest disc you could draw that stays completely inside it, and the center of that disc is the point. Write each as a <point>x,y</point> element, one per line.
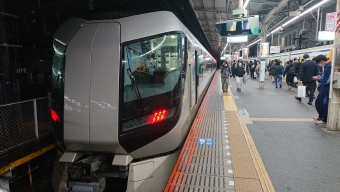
<point>124,94</point>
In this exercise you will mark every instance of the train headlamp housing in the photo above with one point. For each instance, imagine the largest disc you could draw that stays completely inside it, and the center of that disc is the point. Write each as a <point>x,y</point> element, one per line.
<point>156,117</point>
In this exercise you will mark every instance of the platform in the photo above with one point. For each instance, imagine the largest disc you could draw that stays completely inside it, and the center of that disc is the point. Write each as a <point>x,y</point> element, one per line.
<point>256,140</point>
<point>218,152</point>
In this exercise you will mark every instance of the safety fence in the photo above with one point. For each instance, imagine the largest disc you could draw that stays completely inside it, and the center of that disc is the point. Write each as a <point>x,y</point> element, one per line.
<point>23,122</point>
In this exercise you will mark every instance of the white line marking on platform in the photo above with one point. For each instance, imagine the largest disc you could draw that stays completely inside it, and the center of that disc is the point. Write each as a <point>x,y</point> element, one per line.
<point>227,147</point>
<point>231,183</point>
<point>230,171</point>
<point>228,154</point>
<point>227,141</point>
<point>226,136</point>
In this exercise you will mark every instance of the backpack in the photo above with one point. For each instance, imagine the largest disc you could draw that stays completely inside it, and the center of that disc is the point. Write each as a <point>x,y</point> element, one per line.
<point>291,70</point>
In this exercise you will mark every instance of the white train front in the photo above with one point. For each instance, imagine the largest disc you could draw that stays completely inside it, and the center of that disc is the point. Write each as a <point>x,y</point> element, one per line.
<point>124,94</point>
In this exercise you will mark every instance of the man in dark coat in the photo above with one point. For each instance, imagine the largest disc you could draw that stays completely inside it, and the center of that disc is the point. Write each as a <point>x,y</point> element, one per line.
<point>308,70</point>
<point>321,103</point>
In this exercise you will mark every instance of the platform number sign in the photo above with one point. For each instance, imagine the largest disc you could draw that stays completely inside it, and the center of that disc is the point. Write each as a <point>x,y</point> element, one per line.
<point>206,141</point>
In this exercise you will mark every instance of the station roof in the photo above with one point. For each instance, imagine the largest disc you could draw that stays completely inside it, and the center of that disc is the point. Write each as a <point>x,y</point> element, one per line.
<point>271,13</point>
<point>33,22</point>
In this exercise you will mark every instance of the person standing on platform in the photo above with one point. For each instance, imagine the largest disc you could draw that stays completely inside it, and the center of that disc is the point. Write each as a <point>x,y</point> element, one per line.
<point>233,66</point>
<point>272,70</point>
<point>321,102</point>
<point>239,72</point>
<point>225,74</point>
<point>290,72</point>
<point>297,66</point>
<point>278,71</point>
<point>308,70</point>
<point>257,70</point>
<point>252,70</point>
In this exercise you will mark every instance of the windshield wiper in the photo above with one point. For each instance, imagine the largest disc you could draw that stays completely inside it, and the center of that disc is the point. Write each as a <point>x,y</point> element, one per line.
<point>134,85</point>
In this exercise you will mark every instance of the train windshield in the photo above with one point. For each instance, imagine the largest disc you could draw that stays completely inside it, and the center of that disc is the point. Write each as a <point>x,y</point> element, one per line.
<point>151,73</point>
<point>151,67</point>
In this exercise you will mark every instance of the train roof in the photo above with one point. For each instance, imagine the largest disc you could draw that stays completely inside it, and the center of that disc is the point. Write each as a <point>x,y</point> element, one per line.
<point>138,26</point>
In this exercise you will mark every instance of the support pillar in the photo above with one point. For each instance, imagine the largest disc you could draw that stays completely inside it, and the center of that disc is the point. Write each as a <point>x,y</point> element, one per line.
<point>333,122</point>
<point>262,67</point>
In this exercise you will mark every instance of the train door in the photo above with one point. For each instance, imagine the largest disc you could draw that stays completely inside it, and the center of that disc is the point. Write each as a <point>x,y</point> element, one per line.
<point>191,74</point>
<point>196,76</point>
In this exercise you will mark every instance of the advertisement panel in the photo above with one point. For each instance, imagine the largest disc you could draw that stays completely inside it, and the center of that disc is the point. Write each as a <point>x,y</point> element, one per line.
<point>245,54</point>
<point>331,21</point>
<point>275,49</point>
<point>264,49</point>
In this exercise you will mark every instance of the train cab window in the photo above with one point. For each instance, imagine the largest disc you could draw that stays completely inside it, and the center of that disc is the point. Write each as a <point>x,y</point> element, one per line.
<point>57,91</point>
<point>152,66</point>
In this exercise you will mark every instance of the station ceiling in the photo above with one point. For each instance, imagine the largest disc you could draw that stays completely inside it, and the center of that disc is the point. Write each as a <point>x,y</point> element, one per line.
<point>271,13</point>
<point>31,23</point>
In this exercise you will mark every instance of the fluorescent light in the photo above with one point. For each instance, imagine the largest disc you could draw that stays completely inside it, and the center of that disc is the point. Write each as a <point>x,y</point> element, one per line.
<point>245,5</point>
<point>224,49</point>
<point>293,19</point>
<point>254,42</point>
<point>304,13</point>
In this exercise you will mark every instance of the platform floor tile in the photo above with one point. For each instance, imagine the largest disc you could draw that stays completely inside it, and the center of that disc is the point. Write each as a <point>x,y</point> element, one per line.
<point>205,162</point>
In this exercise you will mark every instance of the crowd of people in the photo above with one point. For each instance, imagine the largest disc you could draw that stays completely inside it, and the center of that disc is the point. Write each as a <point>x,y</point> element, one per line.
<point>314,74</point>
<point>238,70</point>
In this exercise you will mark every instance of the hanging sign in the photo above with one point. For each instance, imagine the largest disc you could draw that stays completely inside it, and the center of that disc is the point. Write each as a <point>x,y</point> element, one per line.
<point>331,21</point>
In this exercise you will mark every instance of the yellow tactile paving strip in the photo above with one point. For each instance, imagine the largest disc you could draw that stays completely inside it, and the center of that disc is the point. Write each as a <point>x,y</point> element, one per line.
<point>229,102</point>
<point>249,171</point>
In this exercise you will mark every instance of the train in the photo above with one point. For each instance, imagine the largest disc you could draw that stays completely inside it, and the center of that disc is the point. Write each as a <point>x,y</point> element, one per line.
<point>326,50</point>
<point>125,91</point>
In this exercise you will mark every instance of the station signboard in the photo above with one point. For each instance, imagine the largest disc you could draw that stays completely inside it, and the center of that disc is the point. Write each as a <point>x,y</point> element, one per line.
<point>275,49</point>
<point>326,36</point>
<point>237,39</point>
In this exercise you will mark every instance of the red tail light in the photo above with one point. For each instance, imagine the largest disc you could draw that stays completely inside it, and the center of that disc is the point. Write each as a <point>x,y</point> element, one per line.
<point>158,116</point>
<point>54,115</point>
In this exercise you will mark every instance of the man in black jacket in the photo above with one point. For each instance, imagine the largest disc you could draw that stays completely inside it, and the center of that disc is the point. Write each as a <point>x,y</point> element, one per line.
<point>308,70</point>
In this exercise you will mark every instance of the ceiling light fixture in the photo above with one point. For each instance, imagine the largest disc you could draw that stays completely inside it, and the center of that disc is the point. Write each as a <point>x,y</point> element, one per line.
<point>293,19</point>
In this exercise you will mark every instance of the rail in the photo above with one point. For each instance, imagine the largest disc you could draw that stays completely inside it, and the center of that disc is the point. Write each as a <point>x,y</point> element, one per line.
<point>23,122</point>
